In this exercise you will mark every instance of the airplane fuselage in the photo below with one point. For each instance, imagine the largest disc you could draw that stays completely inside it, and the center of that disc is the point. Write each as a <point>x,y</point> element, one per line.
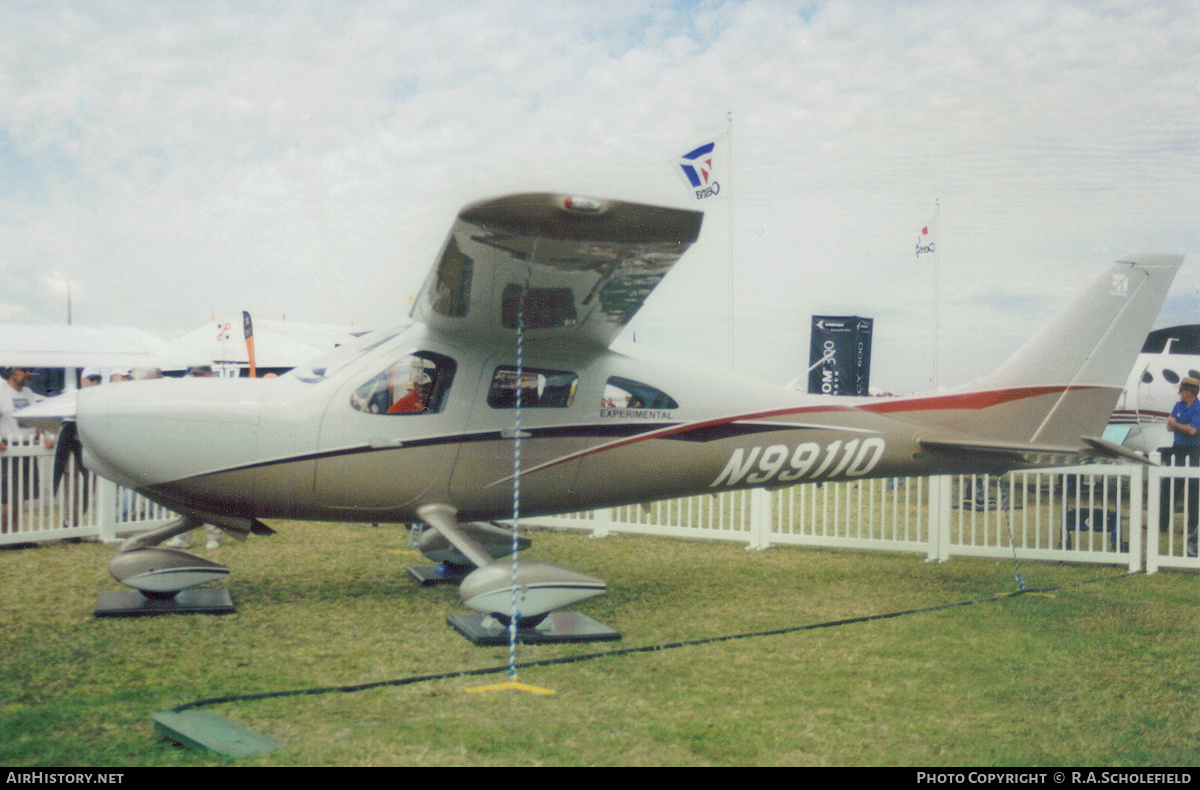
<point>597,429</point>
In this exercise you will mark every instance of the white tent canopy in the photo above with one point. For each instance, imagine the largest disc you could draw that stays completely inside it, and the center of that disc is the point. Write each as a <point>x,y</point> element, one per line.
<point>277,344</point>
<point>54,346</point>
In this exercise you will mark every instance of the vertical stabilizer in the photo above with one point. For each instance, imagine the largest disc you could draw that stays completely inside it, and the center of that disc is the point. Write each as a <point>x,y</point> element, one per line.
<point>1096,340</point>
<point>1089,348</point>
<point>1063,384</point>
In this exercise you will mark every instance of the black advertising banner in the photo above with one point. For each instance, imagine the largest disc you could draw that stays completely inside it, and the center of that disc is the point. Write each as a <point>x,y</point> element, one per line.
<point>839,355</point>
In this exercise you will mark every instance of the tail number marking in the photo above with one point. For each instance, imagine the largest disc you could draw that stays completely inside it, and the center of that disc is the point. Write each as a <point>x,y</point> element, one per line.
<point>759,465</point>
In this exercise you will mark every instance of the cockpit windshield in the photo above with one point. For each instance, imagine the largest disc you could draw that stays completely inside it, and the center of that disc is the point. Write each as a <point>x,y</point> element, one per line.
<point>328,364</point>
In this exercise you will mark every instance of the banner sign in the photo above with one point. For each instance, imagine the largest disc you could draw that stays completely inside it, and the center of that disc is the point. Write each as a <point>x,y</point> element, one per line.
<point>839,355</point>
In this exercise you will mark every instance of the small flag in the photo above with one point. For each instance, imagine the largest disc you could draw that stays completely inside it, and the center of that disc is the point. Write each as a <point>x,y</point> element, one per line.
<point>698,168</point>
<point>925,242</point>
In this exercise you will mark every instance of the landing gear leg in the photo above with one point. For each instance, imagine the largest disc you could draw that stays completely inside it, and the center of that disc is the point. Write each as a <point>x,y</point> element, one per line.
<point>541,589</point>
<point>162,578</point>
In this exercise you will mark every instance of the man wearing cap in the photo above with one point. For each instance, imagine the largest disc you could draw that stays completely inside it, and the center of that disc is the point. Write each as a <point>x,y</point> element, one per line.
<point>1184,422</point>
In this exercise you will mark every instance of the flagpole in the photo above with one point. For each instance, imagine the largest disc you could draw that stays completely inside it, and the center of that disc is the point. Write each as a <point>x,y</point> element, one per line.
<point>729,215</point>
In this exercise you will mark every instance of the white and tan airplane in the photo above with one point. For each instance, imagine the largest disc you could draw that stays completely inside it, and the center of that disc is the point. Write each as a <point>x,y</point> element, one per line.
<point>419,424</point>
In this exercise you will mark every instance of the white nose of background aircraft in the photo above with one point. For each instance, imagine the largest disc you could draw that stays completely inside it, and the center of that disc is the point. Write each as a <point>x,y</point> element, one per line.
<point>418,423</point>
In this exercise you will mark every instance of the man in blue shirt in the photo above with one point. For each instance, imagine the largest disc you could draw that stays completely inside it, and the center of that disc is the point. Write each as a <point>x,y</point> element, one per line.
<point>1184,423</point>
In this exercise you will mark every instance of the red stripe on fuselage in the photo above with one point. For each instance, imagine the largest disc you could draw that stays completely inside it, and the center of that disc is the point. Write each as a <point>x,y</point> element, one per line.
<point>968,400</point>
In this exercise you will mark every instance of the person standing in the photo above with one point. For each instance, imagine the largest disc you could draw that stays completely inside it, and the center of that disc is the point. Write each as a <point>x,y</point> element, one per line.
<point>14,395</point>
<point>1184,423</point>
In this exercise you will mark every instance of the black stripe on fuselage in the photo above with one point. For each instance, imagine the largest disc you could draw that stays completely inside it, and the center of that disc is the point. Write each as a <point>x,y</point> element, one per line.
<point>701,433</point>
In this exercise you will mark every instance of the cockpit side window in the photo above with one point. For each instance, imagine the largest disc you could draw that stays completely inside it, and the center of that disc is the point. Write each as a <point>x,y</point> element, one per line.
<point>451,292</point>
<point>622,393</point>
<point>539,388</point>
<point>415,384</point>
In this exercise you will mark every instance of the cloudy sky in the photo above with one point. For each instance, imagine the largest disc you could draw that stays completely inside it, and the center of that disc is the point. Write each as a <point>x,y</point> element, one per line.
<point>176,159</point>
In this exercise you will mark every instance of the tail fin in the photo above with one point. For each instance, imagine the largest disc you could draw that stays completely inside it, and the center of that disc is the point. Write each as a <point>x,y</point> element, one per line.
<point>1063,384</point>
<point>1090,347</point>
<point>1095,341</point>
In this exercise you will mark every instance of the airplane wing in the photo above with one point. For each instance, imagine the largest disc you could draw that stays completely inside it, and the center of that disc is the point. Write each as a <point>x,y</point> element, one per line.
<point>48,414</point>
<point>584,266</point>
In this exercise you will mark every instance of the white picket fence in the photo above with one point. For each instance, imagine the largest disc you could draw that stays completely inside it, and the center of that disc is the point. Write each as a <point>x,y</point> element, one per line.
<point>84,507</point>
<point>1097,513</point>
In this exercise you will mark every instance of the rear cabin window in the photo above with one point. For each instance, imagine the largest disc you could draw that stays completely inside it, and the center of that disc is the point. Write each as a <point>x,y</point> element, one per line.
<point>622,393</point>
<point>415,384</point>
<point>539,388</point>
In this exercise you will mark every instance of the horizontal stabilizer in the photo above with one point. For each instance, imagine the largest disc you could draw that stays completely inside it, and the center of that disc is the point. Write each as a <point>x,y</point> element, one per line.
<point>1007,454</point>
<point>1019,453</point>
<point>1106,449</point>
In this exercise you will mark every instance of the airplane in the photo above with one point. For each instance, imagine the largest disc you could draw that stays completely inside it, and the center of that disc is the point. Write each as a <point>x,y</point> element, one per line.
<point>419,423</point>
<point>1139,421</point>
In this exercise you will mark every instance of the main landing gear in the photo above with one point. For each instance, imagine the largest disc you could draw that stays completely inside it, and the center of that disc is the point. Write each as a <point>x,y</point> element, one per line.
<point>478,556</point>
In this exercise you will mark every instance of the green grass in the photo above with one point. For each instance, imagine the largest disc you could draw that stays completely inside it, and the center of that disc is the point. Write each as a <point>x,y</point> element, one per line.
<point>1094,674</point>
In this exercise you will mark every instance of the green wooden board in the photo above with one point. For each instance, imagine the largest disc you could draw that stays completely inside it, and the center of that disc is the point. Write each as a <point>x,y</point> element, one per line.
<point>200,729</point>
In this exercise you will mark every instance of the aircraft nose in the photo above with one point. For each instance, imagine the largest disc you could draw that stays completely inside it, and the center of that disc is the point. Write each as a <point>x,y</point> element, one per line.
<point>146,433</point>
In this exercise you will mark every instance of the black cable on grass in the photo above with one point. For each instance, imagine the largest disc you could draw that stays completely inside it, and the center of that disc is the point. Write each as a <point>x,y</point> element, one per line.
<point>408,681</point>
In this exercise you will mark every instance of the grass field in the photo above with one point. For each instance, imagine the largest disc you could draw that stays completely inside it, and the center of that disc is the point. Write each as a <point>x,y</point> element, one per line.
<point>1103,673</point>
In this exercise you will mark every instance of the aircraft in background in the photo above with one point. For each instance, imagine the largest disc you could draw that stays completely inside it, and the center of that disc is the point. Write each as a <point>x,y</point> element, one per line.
<point>420,423</point>
<point>1139,421</point>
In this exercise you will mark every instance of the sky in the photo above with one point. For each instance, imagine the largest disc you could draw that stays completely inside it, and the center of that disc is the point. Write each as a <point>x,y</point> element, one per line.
<point>166,162</point>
